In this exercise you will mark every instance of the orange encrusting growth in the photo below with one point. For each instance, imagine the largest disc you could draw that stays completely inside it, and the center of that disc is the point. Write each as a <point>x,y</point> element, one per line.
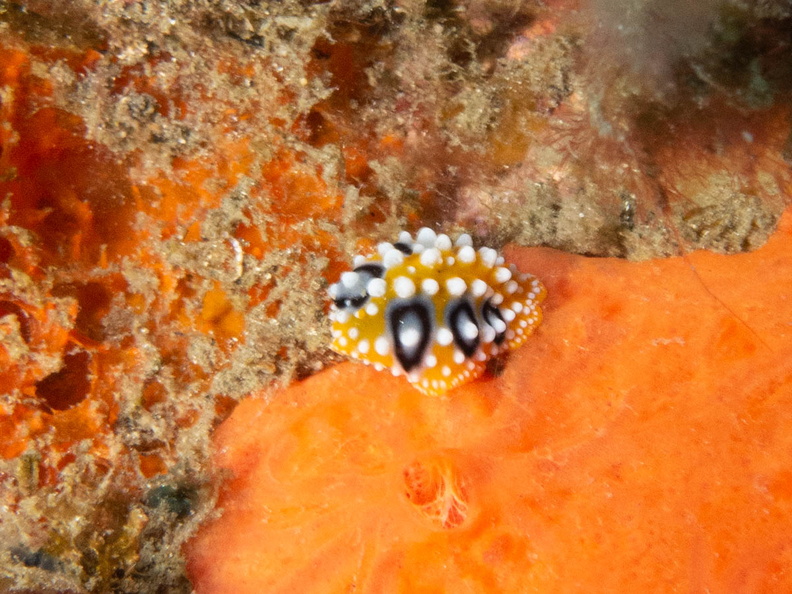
<point>73,226</point>
<point>639,445</point>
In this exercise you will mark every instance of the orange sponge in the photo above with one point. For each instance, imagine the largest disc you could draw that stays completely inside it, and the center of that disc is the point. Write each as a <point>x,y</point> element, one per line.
<point>639,443</point>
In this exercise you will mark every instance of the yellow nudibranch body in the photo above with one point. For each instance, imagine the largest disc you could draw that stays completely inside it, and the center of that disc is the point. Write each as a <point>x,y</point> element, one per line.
<point>433,310</point>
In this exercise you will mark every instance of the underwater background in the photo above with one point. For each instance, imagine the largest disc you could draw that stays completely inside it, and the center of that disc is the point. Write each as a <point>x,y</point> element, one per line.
<point>182,180</point>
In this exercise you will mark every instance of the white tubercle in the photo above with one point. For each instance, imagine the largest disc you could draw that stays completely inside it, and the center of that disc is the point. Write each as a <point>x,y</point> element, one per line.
<point>488,256</point>
<point>392,258</point>
<point>381,346</point>
<point>455,286</point>
<point>466,254</point>
<point>376,287</point>
<point>426,237</point>
<point>469,330</point>
<point>443,242</point>
<point>410,337</point>
<point>464,240</point>
<point>478,287</point>
<point>444,337</point>
<point>384,247</point>
<point>430,286</point>
<point>430,257</point>
<point>350,279</point>
<point>404,287</point>
<point>502,275</point>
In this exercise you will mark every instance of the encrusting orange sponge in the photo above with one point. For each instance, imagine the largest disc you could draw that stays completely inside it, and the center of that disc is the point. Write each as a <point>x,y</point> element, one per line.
<point>641,444</point>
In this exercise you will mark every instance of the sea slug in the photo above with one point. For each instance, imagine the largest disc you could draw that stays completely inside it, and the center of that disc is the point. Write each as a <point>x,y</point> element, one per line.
<point>433,310</point>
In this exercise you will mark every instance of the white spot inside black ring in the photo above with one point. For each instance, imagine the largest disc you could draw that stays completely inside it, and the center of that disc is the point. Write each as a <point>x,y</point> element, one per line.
<point>352,295</point>
<point>410,326</point>
<point>350,301</point>
<point>461,320</point>
<point>493,317</point>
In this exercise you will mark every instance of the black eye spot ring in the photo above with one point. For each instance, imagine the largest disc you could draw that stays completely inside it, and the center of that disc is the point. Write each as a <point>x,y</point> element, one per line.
<point>403,248</point>
<point>459,313</point>
<point>490,314</point>
<point>371,269</point>
<point>403,317</point>
<point>356,297</point>
<point>354,302</point>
